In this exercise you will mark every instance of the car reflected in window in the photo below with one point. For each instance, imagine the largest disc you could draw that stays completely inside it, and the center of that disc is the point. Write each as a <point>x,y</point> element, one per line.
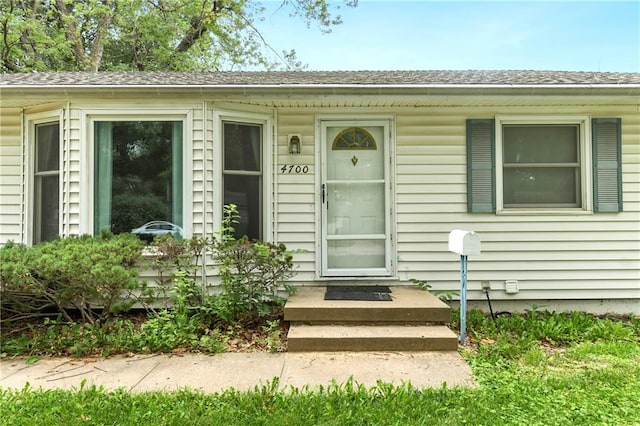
<point>150,230</point>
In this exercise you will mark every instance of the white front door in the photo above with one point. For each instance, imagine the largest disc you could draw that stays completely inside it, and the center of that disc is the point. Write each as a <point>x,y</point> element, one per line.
<point>355,197</point>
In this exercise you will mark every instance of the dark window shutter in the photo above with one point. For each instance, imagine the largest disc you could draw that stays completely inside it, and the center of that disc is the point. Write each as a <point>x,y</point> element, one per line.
<point>481,176</point>
<point>607,165</point>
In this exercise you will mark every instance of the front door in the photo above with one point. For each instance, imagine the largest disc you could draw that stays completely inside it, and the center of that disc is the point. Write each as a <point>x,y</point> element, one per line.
<point>355,197</point>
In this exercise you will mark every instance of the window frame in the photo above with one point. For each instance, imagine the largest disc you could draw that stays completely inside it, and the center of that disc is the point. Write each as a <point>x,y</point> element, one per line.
<point>583,122</point>
<point>88,181</point>
<point>267,157</point>
<point>259,174</point>
<point>31,205</point>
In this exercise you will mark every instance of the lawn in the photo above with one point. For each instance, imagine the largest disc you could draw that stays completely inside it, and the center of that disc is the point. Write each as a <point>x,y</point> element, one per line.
<point>537,368</point>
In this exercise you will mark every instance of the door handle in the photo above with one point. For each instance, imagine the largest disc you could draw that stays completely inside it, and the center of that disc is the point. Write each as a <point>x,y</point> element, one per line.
<point>322,187</point>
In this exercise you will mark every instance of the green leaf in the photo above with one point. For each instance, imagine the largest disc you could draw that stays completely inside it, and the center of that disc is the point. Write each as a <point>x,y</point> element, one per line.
<point>32,360</point>
<point>136,35</point>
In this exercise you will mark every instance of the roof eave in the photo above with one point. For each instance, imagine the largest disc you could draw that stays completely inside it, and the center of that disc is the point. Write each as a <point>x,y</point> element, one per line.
<point>323,86</point>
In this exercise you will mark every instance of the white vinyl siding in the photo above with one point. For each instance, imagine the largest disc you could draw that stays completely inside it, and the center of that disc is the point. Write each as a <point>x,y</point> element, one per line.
<point>201,190</point>
<point>296,195</point>
<point>570,256</point>
<point>72,180</point>
<point>563,257</point>
<point>11,176</point>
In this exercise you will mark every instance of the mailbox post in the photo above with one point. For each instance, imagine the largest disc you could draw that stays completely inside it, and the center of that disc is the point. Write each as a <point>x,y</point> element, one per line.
<point>464,243</point>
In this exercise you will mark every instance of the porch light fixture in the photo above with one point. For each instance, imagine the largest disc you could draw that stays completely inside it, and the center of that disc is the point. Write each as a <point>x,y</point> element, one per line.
<point>295,143</point>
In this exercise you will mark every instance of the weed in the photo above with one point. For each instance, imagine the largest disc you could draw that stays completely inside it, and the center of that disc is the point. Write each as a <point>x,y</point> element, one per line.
<point>446,295</point>
<point>273,338</point>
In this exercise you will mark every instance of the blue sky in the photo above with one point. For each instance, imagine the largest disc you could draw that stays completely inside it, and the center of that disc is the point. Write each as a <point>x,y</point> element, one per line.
<point>411,35</point>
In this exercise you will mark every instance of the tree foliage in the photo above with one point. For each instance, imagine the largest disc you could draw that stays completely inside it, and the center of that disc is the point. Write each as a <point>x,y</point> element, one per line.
<point>136,35</point>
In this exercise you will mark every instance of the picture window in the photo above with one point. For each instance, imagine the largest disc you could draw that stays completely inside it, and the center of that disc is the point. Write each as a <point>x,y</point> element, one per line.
<point>138,178</point>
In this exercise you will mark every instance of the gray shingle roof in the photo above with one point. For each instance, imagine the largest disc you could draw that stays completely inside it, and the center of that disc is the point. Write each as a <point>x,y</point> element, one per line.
<point>321,78</point>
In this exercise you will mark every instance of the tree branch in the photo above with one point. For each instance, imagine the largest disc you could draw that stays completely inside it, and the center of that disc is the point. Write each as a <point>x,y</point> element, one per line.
<point>97,48</point>
<point>69,26</point>
<point>7,64</point>
<point>198,27</point>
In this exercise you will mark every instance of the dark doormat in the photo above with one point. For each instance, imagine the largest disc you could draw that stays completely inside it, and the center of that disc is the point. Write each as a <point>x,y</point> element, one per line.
<point>365,293</point>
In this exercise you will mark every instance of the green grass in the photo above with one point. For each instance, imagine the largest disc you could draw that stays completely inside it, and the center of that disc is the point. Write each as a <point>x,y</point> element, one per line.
<point>534,369</point>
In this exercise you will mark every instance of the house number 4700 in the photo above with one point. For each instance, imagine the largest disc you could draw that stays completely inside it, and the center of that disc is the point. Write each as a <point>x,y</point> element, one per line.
<point>293,169</point>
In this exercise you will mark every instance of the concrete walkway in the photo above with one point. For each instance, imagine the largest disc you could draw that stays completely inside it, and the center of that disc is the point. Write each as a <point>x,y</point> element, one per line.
<point>241,371</point>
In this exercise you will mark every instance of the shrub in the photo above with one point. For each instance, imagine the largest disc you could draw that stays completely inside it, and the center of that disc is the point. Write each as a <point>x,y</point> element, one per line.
<point>172,257</point>
<point>251,273</point>
<point>96,276</point>
<point>91,278</point>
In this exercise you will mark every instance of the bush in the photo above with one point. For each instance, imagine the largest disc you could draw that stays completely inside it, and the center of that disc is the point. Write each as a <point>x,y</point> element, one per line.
<point>95,276</point>
<point>251,273</point>
<point>77,284</point>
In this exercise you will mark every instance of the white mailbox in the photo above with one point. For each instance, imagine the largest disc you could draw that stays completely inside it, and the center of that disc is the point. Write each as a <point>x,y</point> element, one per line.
<point>464,243</point>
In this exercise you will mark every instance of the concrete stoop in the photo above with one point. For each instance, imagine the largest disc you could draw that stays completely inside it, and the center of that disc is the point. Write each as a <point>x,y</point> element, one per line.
<point>413,321</point>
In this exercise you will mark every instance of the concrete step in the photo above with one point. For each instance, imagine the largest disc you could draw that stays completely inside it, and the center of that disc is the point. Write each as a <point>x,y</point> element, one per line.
<point>408,305</point>
<point>323,338</point>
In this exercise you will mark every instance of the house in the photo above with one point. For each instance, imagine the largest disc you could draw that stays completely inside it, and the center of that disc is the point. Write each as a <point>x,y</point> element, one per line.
<point>366,173</point>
